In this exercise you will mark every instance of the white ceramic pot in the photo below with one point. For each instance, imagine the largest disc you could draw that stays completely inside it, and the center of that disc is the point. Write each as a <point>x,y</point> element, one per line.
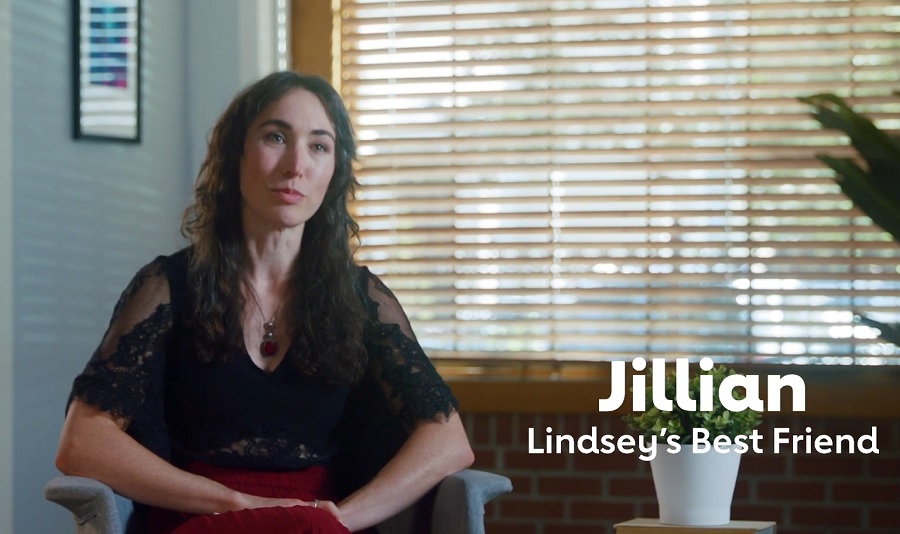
<point>694,489</point>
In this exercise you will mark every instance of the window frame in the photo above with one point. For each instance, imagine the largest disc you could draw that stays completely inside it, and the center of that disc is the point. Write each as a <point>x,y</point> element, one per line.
<point>850,391</point>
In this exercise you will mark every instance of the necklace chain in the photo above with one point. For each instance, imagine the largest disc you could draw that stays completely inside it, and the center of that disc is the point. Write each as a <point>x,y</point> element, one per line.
<point>259,306</point>
<point>268,347</point>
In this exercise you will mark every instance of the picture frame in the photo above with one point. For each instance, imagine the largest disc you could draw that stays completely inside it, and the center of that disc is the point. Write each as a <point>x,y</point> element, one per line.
<point>107,70</point>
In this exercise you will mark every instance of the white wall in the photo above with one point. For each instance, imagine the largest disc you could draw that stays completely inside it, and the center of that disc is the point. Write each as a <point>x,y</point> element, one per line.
<point>6,274</point>
<point>88,214</point>
<point>225,45</point>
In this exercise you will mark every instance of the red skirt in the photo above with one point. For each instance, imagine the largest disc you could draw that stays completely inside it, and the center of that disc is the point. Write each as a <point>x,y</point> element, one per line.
<point>307,485</point>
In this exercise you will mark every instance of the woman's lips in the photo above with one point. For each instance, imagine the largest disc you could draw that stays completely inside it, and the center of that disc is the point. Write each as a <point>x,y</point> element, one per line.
<point>289,196</point>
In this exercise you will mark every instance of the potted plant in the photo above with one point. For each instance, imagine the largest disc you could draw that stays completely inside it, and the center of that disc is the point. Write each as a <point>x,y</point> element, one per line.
<point>694,485</point>
<point>871,181</point>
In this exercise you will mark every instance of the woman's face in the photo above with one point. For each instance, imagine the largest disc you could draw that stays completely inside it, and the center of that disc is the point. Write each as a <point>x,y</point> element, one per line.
<point>288,162</point>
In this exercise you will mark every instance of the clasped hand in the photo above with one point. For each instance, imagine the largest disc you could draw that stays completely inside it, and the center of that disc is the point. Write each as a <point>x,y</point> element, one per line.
<point>253,501</point>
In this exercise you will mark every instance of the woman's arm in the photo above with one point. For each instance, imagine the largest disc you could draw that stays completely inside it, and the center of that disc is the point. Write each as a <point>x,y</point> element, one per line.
<point>114,389</point>
<point>404,386</point>
<point>433,451</point>
<point>94,445</point>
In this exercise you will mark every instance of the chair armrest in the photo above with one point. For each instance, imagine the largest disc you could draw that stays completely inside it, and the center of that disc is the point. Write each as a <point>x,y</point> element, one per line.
<point>459,503</point>
<point>95,507</point>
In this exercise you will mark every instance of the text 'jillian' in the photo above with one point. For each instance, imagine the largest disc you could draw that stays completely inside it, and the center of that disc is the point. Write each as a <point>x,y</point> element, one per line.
<point>750,384</point>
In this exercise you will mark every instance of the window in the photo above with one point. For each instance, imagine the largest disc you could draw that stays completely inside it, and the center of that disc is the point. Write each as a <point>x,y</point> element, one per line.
<point>282,12</point>
<point>574,180</point>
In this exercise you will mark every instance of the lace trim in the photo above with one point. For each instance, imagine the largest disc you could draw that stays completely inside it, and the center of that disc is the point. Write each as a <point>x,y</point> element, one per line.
<point>265,449</point>
<point>413,386</point>
<point>118,383</point>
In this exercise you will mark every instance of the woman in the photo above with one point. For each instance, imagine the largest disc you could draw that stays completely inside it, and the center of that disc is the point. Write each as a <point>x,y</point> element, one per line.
<point>237,374</point>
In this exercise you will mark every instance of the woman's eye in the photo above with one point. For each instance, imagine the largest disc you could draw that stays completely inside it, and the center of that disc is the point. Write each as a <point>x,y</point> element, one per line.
<point>275,137</point>
<point>320,147</point>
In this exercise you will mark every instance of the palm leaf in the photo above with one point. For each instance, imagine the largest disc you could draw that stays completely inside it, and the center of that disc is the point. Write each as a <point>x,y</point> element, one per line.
<point>854,182</point>
<point>876,190</point>
<point>872,144</point>
<point>889,332</point>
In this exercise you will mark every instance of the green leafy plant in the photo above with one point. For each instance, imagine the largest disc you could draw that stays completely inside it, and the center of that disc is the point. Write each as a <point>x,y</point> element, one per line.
<point>889,332</point>
<point>719,421</point>
<point>874,186</point>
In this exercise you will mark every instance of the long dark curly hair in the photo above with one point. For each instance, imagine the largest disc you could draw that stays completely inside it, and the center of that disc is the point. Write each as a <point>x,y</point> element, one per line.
<point>324,299</point>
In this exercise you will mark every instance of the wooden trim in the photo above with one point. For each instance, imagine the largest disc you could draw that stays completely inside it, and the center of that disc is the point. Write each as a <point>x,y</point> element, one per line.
<point>311,30</point>
<point>831,391</point>
<point>869,393</point>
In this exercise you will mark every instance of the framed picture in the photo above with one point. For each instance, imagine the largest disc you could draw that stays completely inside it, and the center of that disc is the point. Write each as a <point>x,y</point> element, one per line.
<point>107,69</point>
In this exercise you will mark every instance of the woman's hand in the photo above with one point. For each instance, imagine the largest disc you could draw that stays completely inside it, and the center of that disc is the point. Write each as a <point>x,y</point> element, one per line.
<point>253,501</point>
<point>250,502</point>
<point>331,508</point>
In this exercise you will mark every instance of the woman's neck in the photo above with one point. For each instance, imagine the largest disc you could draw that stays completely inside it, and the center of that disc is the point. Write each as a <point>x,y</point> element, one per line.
<point>271,254</point>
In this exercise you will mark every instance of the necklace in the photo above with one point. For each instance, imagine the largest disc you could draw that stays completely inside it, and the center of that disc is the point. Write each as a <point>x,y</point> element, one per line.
<point>268,347</point>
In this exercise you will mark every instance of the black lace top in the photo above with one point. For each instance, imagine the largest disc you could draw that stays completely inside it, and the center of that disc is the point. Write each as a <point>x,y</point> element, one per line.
<point>229,412</point>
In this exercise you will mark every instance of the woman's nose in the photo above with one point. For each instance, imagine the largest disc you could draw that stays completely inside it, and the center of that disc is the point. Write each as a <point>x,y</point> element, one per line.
<point>293,161</point>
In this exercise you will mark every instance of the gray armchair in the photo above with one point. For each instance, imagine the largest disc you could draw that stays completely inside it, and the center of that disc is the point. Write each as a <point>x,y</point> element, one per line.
<point>455,506</point>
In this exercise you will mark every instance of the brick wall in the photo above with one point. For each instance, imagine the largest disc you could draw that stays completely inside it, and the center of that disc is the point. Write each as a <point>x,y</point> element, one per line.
<point>587,494</point>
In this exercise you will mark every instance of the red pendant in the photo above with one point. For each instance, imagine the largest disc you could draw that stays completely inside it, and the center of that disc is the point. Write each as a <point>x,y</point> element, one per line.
<point>268,348</point>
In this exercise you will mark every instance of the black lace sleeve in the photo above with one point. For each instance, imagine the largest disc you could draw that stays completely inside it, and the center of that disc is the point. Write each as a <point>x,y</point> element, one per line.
<point>124,376</point>
<point>399,365</point>
<point>400,389</point>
